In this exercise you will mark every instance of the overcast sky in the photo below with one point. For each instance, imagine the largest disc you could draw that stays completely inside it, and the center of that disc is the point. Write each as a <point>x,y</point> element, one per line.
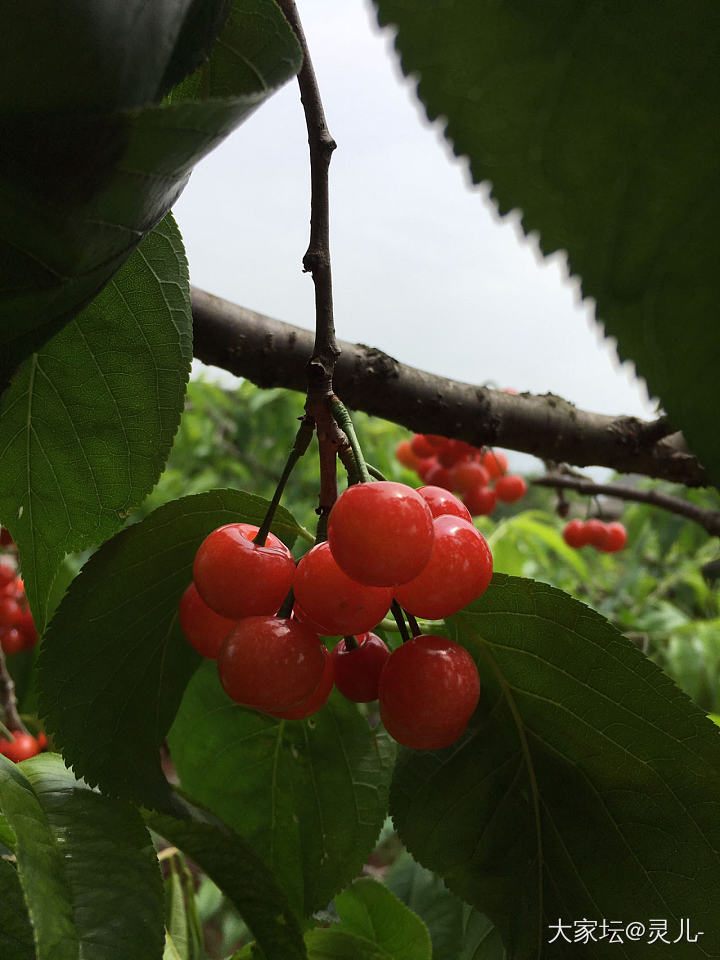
<point>422,265</point>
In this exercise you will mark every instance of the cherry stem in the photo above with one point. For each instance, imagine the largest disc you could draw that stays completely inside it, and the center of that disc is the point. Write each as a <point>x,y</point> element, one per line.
<point>7,697</point>
<point>414,625</point>
<point>300,445</point>
<point>287,605</point>
<point>342,417</point>
<point>374,472</point>
<point>397,612</point>
<point>350,642</point>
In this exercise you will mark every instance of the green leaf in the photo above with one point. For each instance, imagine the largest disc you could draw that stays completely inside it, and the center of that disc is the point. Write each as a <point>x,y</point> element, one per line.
<point>83,180</point>
<point>228,860</point>
<point>86,865</point>
<point>458,932</point>
<point>114,663</point>
<point>310,796</point>
<point>599,122</point>
<point>378,923</point>
<point>16,938</point>
<point>588,785</point>
<point>89,420</point>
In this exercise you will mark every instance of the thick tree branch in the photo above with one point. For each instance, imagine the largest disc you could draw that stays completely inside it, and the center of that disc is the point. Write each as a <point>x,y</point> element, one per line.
<point>271,353</point>
<point>708,519</point>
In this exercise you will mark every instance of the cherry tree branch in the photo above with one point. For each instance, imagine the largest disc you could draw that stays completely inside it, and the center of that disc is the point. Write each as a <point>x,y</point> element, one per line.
<point>708,519</point>
<point>272,353</point>
<point>8,702</point>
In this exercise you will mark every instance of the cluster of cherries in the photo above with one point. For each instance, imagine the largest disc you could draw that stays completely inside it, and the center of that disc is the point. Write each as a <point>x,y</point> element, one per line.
<point>23,746</point>
<point>479,475</point>
<point>606,537</point>
<point>386,542</point>
<point>17,629</point>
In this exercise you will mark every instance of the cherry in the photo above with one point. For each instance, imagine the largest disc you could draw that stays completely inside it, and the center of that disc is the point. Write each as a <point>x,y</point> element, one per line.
<point>438,476</point>
<point>453,452</point>
<point>405,455</point>
<point>575,534</point>
<point>21,748</point>
<point>428,691</point>
<point>422,447</point>
<point>480,501</point>
<point>510,488</point>
<point>270,663</point>
<point>596,533</point>
<point>333,600</point>
<point>495,462</point>
<point>317,699</point>
<point>442,503</point>
<point>357,671</point>
<point>12,641</point>
<point>7,575</point>
<point>9,612</point>
<point>204,629</point>
<point>380,534</point>
<point>239,578</point>
<point>426,467</point>
<point>469,474</point>
<point>458,571</point>
<point>616,538</point>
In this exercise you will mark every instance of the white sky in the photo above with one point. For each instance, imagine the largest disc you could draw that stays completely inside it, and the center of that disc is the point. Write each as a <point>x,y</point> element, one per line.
<point>422,265</point>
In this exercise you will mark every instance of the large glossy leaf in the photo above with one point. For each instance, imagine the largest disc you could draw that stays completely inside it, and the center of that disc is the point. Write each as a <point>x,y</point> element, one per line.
<point>114,663</point>
<point>243,878</point>
<point>374,925</point>
<point>86,864</point>
<point>89,419</point>
<point>588,785</point>
<point>310,796</point>
<point>599,122</point>
<point>82,180</point>
<point>16,938</point>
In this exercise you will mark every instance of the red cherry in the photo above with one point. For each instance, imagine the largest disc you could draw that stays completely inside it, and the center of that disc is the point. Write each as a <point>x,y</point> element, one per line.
<point>421,446</point>
<point>317,699</point>
<point>596,533</point>
<point>480,501</point>
<point>469,474</point>
<point>458,571</point>
<point>495,462</point>
<point>21,748</point>
<point>9,612</point>
<point>453,452</point>
<point>616,538</point>
<point>510,488</point>
<point>7,574</point>
<point>204,629</point>
<point>42,741</point>
<point>357,671</point>
<point>429,689</point>
<point>438,476</point>
<point>405,455</point>
<point>239,578</point>
<point>332,599</point>
<point>380,534</point>
<point>12,641</point>
<point>270,663</point>
<point>575,534</point>
<point>443,503</point>
<point>425,467</point>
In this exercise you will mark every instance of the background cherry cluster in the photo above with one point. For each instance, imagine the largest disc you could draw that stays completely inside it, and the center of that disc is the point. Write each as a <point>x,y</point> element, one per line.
<point>17,628</point>
<point>605,537</point>
<point>477,474</point>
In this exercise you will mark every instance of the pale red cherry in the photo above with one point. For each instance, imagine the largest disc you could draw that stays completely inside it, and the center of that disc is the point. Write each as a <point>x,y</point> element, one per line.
<point>597,533</point>
<point>616,538</point>
<point>458,571</point>
<point>237,577</point>
<point>443,503</point>
<point>380,534</point>
<point>495,462</point>
<point>510,488</point>
<point>575,534</point>
<point>480,501</point>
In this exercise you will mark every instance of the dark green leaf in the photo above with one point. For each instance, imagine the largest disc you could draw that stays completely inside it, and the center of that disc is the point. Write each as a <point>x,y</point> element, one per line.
<point>458,931</point>
<point>377,921</point>
<point>598,121</point>
<point>243,877</point>
<point>114,663</point>
<point>86,864</point>
<point>310,796</point>
<point>89,420</point>
<point>16,938</point>
<point>588,785</point>
<point>81,188</point>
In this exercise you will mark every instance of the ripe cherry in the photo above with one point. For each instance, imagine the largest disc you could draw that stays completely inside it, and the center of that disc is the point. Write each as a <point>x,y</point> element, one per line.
<point>380,534</point>
<point>204,629</point>
<point>12,641</point>
<point>480,501</point>
<point>239,578</point>
<point>332,599</point>
<point>7,575</point>
<point>616,538</point>
<point>438,476</point>
<point>495,462</point>
<point>596,533</point>
<point>428,691</point>
<point>405,455</point>
<point>21,748</point>
<point>458,571</point>
<point>443,503</point>
<point>357,671</point>
<point>422,447</point>
<point>317,699</point>
<point>575,534</point>
<point>468,474</point>
<point>9,612</point>
<point>510,488</point>
<point>270,663</point>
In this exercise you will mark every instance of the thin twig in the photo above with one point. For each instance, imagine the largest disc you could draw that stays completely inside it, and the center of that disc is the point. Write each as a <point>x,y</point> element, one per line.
<point>8,701</point>
<point>708,519</point>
